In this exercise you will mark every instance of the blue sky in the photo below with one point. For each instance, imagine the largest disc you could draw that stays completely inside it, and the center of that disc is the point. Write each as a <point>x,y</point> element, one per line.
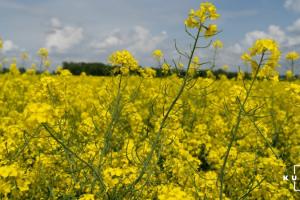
<point>89,30</point>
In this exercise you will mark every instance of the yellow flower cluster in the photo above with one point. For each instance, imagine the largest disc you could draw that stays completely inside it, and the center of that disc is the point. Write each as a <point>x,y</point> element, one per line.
<point>14,69</point>
<point>147,72</point>
<point>289,74</point>
<point>292,56</point>
<point>157,54</point>
<point>165,68</point>
<point>218,44</point>
<point>87,197</point>
<point>124,60</point>
<point>196,19</point>
<point>206,11</point>
<point>264,55</point>
<point>43,53</point>
<point>172,192</point>
<point>54,129</point>
<point>141,137</point>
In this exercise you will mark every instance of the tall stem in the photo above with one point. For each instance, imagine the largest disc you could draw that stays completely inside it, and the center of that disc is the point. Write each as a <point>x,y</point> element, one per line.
<point>234,130</point>
<point>164,120</point>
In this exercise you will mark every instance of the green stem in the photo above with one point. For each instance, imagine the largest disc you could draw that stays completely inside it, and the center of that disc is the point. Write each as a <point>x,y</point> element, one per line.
<point>92,168</point>
<point>115,115</point>
<point>234,130</point>
<point>164,120</point>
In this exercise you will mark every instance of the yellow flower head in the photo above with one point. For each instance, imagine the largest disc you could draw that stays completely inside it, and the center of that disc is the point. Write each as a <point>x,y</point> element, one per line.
<point>149,72</point>
<point>267,47</point>
<point>289,74</point>
<point>292,56</point>
<point>225,67</point>
<point>33,66</point>
<point>218,44</point>
<point>125,60</point>
<point>180,65</point>
<point>165,68</point>
<point>87,197</point>
<point>47,63</point>
<point>211,30</point>
<point>158,54</point>
<point>246,57</point>
<point>197,18</point>
<point>43,53</point>
<point>14,69</point>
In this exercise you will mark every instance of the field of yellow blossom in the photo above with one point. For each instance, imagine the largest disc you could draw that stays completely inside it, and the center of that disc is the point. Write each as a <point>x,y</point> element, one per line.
<point>68,137</point>
<point>135,136</point>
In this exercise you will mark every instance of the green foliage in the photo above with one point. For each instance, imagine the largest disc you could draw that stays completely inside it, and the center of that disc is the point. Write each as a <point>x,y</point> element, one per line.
<point>97,69</point>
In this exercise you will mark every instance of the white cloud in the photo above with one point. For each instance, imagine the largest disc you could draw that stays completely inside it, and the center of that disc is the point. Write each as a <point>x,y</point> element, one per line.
<point>55,23</point>
<point>8,45</point>
<point>61,38</point>
<point>273,32</point>
<point>295,27</point>
<point>293,41</point>
<point>231,54</point>
<point>139,39</point>
<point>236,48</point>
<point>292,5</point>
<point>113,39</point>
<point>288,39</point>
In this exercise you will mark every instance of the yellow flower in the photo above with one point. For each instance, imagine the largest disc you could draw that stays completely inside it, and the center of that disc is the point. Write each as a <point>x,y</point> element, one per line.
<point>289,74</point>
<point>225,67</point>
<point>194,66</point>
<point>165,68</point>
<point>65,72</point>
<point>59,68</point>
<point>8,171</point>
<point>172,192</point>
<point>5,187</point>
<point>211,30</point>
<point>14,69</point>
<point>191,22</point>
<point>23,185</point>
<point>180,65</point>
<point>87,197</point>
<point>158,54</point>
<point>270,49</point>
<point>246,57</point>
<point>240,75</point>
<point>33,66</point>
<point>197,18</point>
<point>149,72</point>
<point>47,63</point>
<point>43,53</point>
<point>292,56</point>
<point>218,44</point>
<point>124,60</point>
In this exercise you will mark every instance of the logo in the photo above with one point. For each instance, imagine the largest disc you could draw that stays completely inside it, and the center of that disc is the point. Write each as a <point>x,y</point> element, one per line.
<point>294,178</point>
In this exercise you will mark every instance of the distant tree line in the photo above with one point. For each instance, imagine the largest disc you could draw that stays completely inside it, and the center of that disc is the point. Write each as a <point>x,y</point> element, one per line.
<point>95,69</point>
<point>6,70</point>
<point>101,69</point>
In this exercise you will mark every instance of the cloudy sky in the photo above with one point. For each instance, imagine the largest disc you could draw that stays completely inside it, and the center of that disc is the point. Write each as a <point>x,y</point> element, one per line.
<point>89,30</point>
